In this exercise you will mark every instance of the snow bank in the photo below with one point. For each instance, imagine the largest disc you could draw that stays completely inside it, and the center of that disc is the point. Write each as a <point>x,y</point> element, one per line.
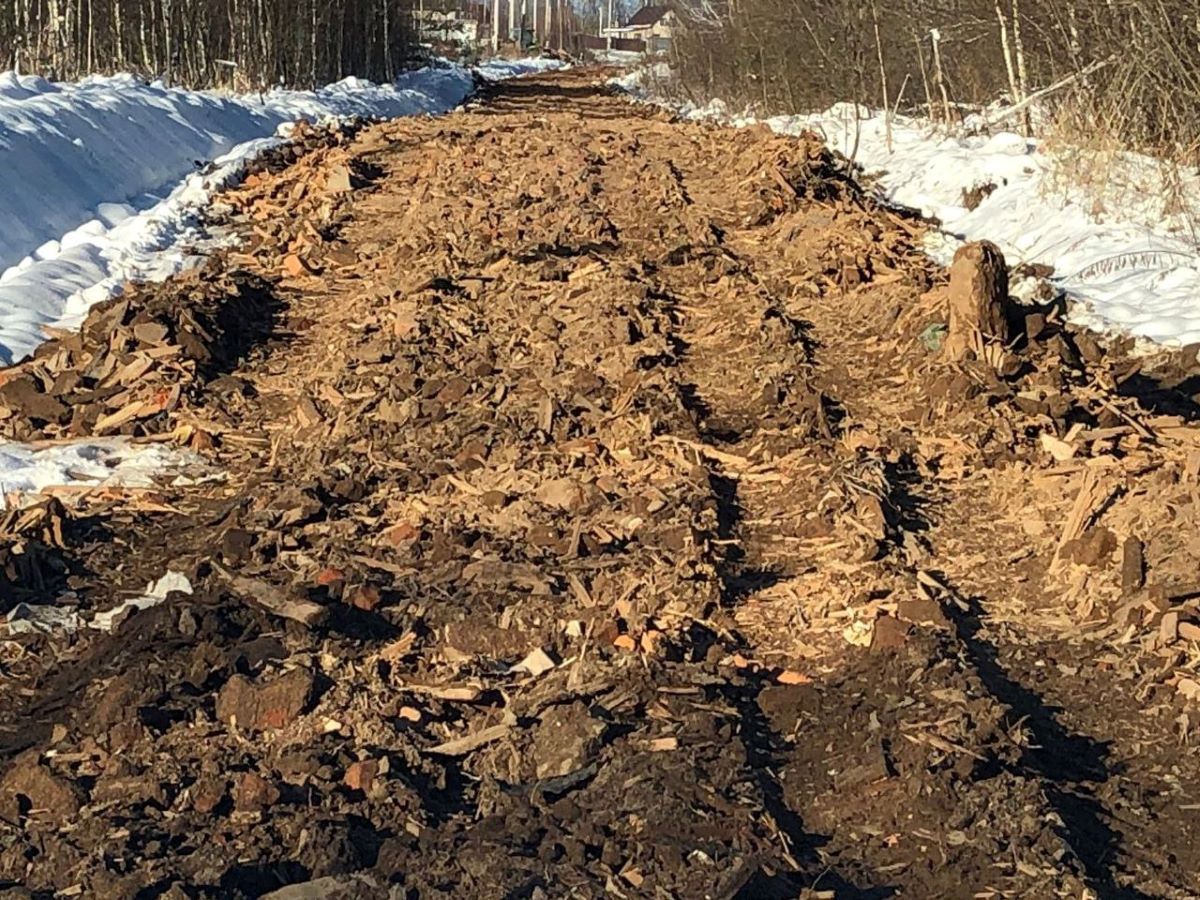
<point>96,186</point>
<point>1130,268</point>
<point>1127,271</point>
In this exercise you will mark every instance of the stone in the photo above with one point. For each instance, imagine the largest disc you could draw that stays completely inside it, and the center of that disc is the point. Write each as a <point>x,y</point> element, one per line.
<point>253,793</point>
<point>261,705</point>
<point>29,788</point>
<point>565,740</point>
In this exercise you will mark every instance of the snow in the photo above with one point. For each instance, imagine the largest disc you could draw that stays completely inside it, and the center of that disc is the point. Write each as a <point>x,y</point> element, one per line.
<point>100,181</point>
<point>27,469</point>
<point>618,57</point>
<point>499,69</point>
<point>104,181</point>
<point>1128,266</point>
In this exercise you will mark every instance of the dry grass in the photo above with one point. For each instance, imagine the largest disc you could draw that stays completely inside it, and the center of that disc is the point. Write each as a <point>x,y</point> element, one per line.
<point>1086,137</point>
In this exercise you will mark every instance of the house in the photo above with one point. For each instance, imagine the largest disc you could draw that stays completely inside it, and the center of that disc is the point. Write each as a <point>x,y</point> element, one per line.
<point>655,25</point>
<point>451,28</point>
<point>650,28</point>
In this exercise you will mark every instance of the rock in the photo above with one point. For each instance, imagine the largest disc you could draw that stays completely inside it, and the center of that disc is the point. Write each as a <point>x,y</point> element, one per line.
<point>923,611</point>
<point>208,794</point>
<point>784,705</point>
<point>261,705</point>
<point>1035,324</point>
<point>25,396</point>
<point>1094,548</point>
<point>253,793</point>
<point>1089,348</point>
<point>31,789</point>
<point>889,633</point>
<point>361,774</point>
<point>565,740</point>
<point>236,544</point>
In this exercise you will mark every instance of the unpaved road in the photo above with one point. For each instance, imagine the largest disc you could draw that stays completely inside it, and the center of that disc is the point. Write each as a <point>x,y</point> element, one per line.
<point>631,538</point>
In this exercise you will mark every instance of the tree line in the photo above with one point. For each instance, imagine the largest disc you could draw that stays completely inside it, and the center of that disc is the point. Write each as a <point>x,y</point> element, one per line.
<point>1132,66</point>
<point>243,43</point>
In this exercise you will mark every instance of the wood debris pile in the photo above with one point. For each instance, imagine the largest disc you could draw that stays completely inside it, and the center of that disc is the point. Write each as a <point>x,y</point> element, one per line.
<point>603,519</point>
<point>137,361</point>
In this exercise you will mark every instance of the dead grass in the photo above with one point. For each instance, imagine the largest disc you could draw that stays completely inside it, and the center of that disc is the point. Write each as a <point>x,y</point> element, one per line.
<point>1093,163</point>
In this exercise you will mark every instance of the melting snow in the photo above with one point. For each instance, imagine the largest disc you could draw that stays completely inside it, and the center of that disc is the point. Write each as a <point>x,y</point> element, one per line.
<point>96,462</point>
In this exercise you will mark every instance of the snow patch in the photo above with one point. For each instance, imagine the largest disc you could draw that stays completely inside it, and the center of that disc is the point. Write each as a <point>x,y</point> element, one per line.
<point>156,593</point>
<point>63,614</point>
<point>96,462</point>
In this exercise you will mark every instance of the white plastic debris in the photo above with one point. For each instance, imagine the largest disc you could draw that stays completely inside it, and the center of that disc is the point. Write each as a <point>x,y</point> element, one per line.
<point>27,618</point>
<point>156,593</point>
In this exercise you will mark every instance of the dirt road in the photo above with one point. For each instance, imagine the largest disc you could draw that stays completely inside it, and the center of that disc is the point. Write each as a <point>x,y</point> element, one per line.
<point>597,516</point>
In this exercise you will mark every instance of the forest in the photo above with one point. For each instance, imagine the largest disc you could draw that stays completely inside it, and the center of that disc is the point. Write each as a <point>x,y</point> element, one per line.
<point>242,43</point>
<point>1129,68</point>
<point>1125,68</point>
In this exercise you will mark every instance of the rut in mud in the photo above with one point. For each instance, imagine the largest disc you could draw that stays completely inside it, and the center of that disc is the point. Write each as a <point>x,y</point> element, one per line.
<point>599,518</point>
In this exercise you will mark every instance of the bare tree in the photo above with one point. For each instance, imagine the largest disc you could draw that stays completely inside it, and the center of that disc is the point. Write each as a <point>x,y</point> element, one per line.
<point>203,42</point>
<point>801,55</point>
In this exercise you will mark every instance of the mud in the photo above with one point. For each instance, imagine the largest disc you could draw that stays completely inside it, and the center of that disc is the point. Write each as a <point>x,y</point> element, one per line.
<point>601,518</point>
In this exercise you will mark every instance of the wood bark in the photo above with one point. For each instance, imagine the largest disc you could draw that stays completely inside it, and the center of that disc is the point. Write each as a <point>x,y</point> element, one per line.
<point>978,297</point>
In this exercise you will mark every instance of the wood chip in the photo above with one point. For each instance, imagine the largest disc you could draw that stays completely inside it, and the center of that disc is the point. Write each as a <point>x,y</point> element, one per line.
<point>272,598</point>
<point>464,745</point>
<point>538,662</point>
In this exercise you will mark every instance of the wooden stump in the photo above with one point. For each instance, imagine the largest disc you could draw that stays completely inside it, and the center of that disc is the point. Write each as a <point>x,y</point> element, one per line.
<point>978,296</point>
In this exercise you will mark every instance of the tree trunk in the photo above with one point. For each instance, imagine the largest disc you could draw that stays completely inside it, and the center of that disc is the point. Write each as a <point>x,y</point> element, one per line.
<point>936,37</point>
<point>978,296</point>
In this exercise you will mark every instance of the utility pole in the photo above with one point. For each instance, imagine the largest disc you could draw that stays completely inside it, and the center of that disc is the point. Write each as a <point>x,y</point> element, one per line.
<point>496,26</point>
<point>512,18</point>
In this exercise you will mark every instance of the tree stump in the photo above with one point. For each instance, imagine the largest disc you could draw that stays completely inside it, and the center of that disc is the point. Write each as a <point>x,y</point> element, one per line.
<point>978,296</point>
